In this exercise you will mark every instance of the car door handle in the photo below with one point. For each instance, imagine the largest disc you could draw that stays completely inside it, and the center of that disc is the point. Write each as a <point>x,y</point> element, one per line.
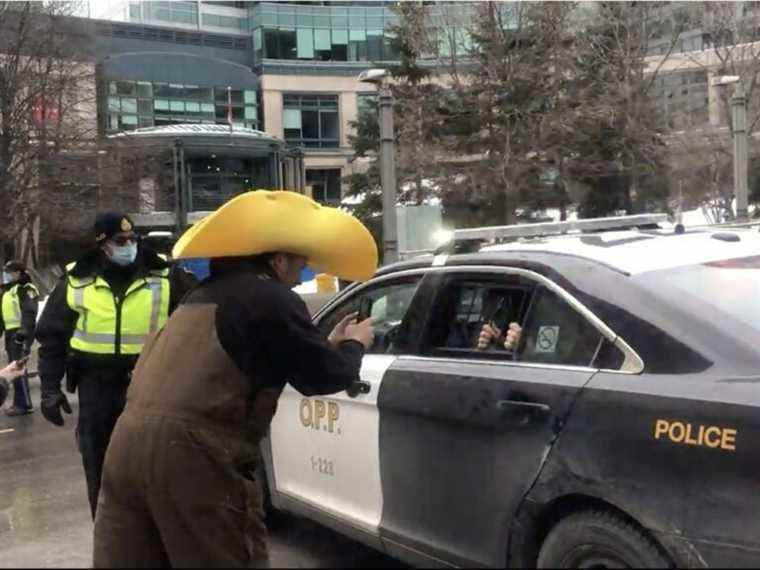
<point>358,387</point>
<point>511,404</point>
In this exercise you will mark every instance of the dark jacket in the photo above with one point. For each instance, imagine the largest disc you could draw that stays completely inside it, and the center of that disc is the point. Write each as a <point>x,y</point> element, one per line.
<point>28,301</point>
<point>58,321</point>
<point>228,350</point>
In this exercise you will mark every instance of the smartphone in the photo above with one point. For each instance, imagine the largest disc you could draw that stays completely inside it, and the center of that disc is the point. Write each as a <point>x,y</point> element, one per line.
<point>365,309</point>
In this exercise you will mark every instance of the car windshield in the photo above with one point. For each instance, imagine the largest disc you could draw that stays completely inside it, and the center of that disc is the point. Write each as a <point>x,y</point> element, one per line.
<point>725,291</point>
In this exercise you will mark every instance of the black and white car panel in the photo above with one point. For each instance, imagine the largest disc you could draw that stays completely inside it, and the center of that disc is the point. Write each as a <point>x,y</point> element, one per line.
<point>629,413</point>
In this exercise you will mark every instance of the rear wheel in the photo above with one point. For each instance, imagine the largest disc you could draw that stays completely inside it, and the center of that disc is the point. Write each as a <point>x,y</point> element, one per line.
<point>599,539</point>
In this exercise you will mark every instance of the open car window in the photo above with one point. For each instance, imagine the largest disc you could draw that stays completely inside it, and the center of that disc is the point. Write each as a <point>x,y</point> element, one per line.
<point>387,303</point>
<point>465,305</point>
<point>553,332</point>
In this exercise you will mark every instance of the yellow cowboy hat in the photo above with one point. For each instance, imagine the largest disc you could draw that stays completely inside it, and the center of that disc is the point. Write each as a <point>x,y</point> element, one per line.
<point>264,221</point>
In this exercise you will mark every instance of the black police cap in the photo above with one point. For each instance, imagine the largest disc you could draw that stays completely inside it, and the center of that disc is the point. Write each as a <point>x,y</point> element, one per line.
<point>108,224</point>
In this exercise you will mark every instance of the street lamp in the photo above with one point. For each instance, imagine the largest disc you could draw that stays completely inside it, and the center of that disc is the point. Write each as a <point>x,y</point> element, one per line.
<point>739,122</point>
<point>387,160</point>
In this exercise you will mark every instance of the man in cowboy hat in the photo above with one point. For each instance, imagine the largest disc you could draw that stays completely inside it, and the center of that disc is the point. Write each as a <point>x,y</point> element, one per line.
<point>19,316</point>
<point>178,485</point>
<point>93,328</point>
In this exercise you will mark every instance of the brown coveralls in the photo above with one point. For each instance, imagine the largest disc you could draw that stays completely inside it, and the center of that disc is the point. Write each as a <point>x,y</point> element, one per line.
<point>178,484</point>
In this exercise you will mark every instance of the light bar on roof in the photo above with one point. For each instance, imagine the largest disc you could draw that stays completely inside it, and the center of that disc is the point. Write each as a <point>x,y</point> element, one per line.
<point>550,228</point>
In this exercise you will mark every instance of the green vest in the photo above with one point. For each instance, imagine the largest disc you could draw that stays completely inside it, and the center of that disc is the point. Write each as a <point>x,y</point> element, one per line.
<point>12,306</point>
<point>109,325</point>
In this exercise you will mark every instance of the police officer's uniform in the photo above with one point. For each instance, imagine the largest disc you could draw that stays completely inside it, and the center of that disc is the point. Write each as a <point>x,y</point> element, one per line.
<point>18,308</point>
<point>92,330</point>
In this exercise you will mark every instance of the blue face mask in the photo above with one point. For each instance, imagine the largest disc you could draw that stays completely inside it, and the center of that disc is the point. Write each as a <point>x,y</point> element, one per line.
<point>7,277</point>
<point>124,255</point>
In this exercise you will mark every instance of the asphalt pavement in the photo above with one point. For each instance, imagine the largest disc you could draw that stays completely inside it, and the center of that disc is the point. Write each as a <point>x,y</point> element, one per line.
<point>45,519</point>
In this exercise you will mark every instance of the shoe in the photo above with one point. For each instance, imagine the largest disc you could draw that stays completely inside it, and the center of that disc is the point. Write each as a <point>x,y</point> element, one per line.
<point>14,411</point>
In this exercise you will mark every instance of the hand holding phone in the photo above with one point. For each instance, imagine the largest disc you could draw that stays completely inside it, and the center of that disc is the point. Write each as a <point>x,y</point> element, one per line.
<point>365,309</point>
<point>21,362</point>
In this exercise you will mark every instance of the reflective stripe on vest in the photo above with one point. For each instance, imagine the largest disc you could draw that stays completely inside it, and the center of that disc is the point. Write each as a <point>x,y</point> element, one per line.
<point>11,309</point>
<point>144,310</point>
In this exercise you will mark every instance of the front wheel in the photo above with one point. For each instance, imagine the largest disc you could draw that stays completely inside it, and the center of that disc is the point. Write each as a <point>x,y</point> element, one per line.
<point>599,539</point>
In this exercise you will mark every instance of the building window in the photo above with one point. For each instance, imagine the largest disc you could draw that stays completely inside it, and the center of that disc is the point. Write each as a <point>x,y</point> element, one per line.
<point>323,33</point>
<point>219,21</point>
<point>325,185</point>
<point>311,121</point>
<point>366,104</point>
<point>179,11</point>
<point>134,12</point>
<point>214,180</point>
<point>238,5</point>
<point>133,104</point>
<point>354,33</point>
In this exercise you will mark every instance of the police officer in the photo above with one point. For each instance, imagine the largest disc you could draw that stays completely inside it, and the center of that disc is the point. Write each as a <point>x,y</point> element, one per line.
<point>19,316</point>
<point>93,328</point>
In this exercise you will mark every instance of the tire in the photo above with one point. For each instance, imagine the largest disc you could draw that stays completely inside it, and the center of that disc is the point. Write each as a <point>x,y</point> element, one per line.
<point>599,539</point>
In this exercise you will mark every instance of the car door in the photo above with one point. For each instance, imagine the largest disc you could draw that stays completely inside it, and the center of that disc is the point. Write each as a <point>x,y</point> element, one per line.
<point>325,449</point>
<point>464,432</point>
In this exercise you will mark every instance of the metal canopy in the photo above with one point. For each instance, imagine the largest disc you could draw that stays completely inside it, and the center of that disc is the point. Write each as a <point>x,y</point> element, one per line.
<point>165,219</point>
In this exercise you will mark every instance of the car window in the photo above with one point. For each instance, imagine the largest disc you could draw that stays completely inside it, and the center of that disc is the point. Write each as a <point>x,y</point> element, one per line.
<point>465,306</point>
<point>555,333</point>
<point>610,357</point>
<point>388,304</point>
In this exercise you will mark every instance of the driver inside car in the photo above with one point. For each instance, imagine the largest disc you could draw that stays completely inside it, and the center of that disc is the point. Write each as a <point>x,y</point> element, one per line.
<point>387,313</point>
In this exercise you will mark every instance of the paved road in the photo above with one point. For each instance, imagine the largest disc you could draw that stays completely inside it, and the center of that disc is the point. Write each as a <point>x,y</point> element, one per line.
<point>45,519</point>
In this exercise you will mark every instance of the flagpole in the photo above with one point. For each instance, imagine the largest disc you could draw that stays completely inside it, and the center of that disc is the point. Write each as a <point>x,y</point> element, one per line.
<point>229,107</point>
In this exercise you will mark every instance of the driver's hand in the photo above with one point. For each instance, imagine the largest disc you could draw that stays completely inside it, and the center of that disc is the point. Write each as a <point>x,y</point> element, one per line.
<point>338,333</point>
<point>514,333</point>
<point>487,334</point>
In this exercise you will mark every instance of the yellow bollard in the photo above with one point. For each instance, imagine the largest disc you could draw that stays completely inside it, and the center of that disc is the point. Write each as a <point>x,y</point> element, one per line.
<point>326,283</point>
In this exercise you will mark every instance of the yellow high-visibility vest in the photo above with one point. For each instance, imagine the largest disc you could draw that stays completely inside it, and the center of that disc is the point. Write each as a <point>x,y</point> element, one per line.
<point>11,306</point>
<point>110,325</point>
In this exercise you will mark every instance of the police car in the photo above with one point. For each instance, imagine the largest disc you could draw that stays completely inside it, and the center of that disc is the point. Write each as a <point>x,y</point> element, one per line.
<point>622,431</point>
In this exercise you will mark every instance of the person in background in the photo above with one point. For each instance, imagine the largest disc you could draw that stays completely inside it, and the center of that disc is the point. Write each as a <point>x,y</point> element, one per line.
<point>13,371</point>
<point>19,302</point>
<point>93,328</point>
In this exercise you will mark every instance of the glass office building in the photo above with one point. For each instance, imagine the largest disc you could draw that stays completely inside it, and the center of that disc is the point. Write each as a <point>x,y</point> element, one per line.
<point>137,104</point>
<point>350,31</point>
<point>230,17</point>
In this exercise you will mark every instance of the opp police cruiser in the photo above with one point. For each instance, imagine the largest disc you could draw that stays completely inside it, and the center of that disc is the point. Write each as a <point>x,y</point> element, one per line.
<point>620,431</point>
<point>19,302</point>
<point>93,328</point>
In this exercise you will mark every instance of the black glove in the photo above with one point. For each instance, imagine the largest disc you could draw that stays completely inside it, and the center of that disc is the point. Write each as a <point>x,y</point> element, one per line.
<point>23,341</point>
<point>51,404</point>
<point>19,338</point>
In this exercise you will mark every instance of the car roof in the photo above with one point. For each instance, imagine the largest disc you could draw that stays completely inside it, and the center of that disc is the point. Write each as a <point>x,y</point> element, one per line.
<point>630,252</point>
